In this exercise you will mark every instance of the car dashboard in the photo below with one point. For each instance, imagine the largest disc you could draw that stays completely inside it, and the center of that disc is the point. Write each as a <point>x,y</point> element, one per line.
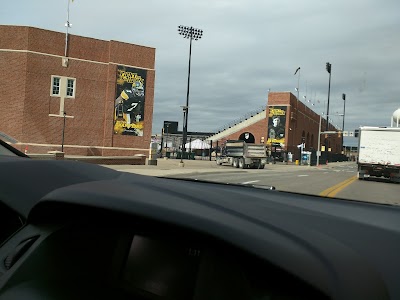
<point>80,231</point>
<point>119,257</point>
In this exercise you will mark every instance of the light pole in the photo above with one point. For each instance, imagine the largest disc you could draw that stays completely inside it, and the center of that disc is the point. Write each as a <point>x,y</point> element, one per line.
<point>328,69</point>
<point>166,140</point>
<point>162,141</point>
<point>189,33</point>
<point>344,113</point>
<point>319,140</point>
<point>63,133</point>
<point>183,142</point>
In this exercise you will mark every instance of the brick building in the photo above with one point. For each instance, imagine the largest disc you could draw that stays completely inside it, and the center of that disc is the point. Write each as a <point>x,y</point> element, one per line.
<point>300,124</point>
<point>102,90</point>
<point>284,124</point>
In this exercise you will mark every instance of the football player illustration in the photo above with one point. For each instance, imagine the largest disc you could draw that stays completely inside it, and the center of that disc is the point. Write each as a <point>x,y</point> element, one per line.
<point>129,103</point>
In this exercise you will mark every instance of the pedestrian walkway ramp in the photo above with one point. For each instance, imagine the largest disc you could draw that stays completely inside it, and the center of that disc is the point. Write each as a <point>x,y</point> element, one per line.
<point>238,125</point>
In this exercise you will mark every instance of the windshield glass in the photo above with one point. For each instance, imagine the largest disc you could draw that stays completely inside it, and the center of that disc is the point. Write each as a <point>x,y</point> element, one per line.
<point>5,151</point>
<point>303,97</point>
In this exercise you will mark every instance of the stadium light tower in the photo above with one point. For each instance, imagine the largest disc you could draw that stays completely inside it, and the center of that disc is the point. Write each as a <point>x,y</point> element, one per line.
<point>191,34</point>
<point>328,69</point>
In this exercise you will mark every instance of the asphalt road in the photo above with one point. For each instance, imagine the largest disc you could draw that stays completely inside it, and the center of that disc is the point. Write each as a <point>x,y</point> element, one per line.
<point>378,190</point>
<point>337,180</point>
<point>333,181</point>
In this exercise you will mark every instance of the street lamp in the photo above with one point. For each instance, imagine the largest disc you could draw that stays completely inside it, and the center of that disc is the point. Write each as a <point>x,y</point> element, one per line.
<point>63,133</point>
<point>196,34</point>
<point>319,140</point>
<point>166,140</point>
<point>328,69</point>
<point>344,113</point>
<point>183,142</point>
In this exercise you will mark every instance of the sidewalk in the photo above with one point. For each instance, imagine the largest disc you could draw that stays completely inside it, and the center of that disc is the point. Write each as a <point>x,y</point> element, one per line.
<point>167,167</point>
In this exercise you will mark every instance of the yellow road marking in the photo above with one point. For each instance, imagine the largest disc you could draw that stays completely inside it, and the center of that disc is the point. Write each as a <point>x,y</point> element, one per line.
<point>333,190</point>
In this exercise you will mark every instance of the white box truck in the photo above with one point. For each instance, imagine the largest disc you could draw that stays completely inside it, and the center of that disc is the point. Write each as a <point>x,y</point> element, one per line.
<point>379,152</point>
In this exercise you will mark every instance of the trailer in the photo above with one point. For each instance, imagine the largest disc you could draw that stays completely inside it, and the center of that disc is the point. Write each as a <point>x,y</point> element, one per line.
<point>379,153</point>
<point>240,154</point>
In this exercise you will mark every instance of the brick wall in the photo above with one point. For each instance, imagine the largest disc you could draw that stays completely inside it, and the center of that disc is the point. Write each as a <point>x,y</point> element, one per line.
<point>12,97</point>
<point>14,37</point>
<point>25,101</point>
<point>50,42</point>
<point>302,121</point>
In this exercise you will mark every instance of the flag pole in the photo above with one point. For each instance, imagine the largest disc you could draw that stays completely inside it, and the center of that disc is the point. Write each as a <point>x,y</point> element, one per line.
<point>67,25</point>
<point>298,85</point>
<point>297,113</point>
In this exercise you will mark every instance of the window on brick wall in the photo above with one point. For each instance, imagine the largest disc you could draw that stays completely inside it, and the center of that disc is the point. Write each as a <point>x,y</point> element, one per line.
<point>70,87</point>
<point>55,85</point>
<point>62,86</point>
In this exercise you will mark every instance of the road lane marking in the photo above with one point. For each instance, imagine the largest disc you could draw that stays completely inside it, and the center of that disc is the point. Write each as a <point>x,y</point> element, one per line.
<point>333,190</point>
<point>248,182</point>
<point>302,175</point>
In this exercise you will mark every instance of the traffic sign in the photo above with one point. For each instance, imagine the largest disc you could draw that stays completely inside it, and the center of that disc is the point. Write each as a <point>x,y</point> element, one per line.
<point>351,133</point>
<point>345,133</point>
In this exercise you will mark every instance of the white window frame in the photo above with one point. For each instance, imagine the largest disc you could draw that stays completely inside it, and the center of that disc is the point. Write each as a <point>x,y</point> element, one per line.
<point>62,86</point>
<point>67,79</point>
<point>52,86</point>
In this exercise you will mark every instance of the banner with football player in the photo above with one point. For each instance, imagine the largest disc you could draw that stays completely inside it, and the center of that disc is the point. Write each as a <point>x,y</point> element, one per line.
<point>276,125</point>
<point>129,101</point>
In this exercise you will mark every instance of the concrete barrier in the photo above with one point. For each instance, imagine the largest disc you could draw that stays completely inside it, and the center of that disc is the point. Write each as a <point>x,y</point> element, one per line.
<point>139,159</point>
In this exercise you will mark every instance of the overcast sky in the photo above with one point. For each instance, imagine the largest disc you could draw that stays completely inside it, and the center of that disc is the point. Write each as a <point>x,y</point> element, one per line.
<point>248,47</point>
